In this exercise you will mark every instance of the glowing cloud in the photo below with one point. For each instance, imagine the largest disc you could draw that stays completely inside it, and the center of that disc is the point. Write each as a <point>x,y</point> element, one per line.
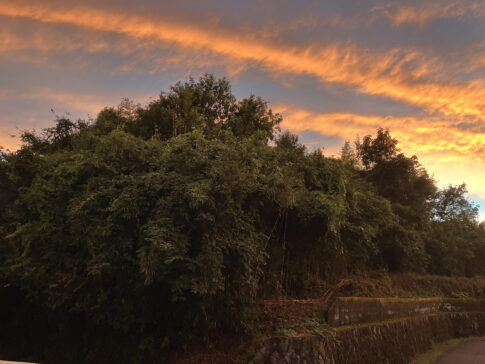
<point>403,74</point>
<point>438,94</point>
<point>441,147</point>
<point>417,136</point>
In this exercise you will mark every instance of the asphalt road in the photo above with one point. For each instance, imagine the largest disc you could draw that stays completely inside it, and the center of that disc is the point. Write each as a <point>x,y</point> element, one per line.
<point>471,352</point>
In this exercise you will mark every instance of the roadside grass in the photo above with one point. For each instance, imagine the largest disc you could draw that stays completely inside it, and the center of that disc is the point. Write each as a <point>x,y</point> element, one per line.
<point>439,349</point>
<point>309,326</point>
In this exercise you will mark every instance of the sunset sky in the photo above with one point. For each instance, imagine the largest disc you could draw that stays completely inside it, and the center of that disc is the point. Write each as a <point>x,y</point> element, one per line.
<point>334,69</point>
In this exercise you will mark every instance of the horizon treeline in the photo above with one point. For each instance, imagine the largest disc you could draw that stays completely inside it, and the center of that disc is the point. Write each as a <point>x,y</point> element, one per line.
<point>155,225</point>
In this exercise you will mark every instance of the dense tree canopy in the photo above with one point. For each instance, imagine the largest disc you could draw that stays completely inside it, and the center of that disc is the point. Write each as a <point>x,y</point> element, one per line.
<point>166,222</point>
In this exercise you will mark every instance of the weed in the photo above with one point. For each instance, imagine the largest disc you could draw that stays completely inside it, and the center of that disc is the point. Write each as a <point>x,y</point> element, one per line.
<point>286,332</point>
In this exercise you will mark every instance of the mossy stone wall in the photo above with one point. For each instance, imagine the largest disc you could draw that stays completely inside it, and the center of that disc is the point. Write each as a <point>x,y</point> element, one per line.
<point>394,341</point>
<point>356,310</point>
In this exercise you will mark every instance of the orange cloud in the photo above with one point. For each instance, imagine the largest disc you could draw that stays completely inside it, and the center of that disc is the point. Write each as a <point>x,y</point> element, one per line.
<point>51,41</point>
<point>416,135</point>
<point>147,54</point>
<point>453,155</point>
<point>402,74</point>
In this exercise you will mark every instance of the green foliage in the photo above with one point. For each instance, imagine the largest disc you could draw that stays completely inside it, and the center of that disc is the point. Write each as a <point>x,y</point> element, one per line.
<point>406,185</point>
<point>451,204</point>
<point>456,243</point>
<point>161,224</point>
<point>374,151</point>
<point>313,326</point>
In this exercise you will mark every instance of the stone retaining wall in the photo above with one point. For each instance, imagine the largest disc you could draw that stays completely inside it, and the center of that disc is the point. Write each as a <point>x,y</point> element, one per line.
<point>356,310</point>
<point>396,341</point>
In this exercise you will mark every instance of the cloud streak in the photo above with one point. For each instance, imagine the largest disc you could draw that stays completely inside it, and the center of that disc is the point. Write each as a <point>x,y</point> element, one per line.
<point>454,155</point>
<point>365,63</point>
<point>403,74</point>
<point>47,44</point>
<point>428,12</point>
<point>418,136</point>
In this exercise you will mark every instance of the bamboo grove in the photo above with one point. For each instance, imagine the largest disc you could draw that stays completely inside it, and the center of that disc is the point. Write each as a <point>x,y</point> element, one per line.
<point>153,226</point>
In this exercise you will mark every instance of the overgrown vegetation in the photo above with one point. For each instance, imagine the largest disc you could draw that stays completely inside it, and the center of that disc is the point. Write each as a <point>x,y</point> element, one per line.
<point>156,225</point>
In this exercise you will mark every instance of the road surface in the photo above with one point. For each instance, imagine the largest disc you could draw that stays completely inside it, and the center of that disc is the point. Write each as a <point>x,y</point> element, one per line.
<point>471,352</point>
